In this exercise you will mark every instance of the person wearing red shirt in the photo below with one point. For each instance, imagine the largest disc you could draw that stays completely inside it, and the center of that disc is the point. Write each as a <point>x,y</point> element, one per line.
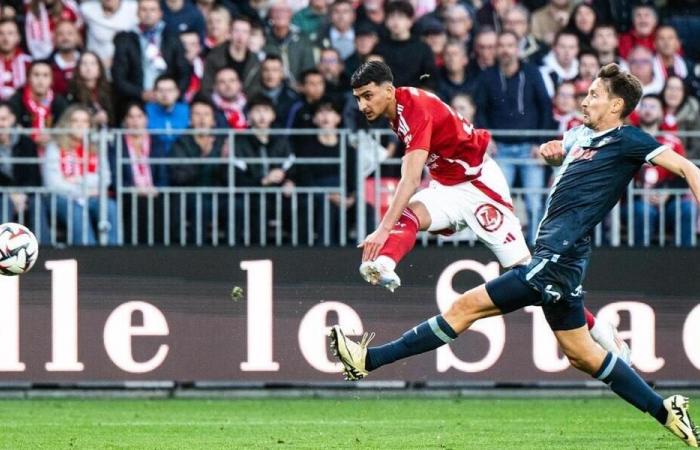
<point>468,188</point>
<point>643,32</point>
<point>14,63</point>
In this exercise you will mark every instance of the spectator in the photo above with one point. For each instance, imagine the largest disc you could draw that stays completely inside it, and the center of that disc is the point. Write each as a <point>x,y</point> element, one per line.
<point>65,58</point>
<point>201,146</point>
<point>258,41</point>
<point>234,53</point>
<point>605,44</point>
<point>484,50</point>
<point>337,82</point>
<point>454,78</point>
<point>492,12</point>
<point>13,62</point>
<point>682,111</point>
<point>433,33</point>
<point>260,144</point>
<point>371,13</point>
<point>312,89</point>
<point>327,144</point>
<point>193,50</point>
<point>90,88</point>
<point>103,20</point>
<point>459,24</point>
<point>166,112</point>
<point>340,33</point>
<point>138,173</point>
<point>588,67</point>
<point>275,87</point>
<point>561,63</point>
<point>229,100</point>
<point>464,105</point>
<point>648,207</point>
<point>218,27</point>
<point>517,20</point>
<point>311,19</point>
<point>142,55</point>
<point>668,60</point>
<point>643,32</point>
<point>22,206</point>
<point>182,15</point>
<point>36,106</point>
<point>366,38</point>
<point>74,173</point>
<point>550,19</point>
<point>512,96</point>
<point>582,23</point>
<point>294,49</point>
<point>566,114</point>
<point>407,71</point>
<point>40,24</point>
<point>641,61</point>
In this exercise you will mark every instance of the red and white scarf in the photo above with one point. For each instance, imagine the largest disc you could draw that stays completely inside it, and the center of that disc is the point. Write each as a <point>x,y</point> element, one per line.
<point>195,79</point>
<point>233,110</point>
<point>72,163</point>
<point>13,73</point>
<point>140,169</point>
<point>679,67</point>
<point>40,111</point>
<point>38,30</point>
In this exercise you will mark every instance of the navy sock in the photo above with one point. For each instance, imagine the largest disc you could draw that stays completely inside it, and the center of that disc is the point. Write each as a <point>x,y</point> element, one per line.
<point>626,383</point>
<point>424,337</point>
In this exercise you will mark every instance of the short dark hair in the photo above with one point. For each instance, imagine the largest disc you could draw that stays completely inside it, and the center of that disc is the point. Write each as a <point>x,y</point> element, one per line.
<point>509,33</point>
<point>6,20</point>
<point>564,32</point>
<point>307,73</point>
<point>371,72</point>
<point>260,100</point>
<point>6,104</point>
<point>341,2</point>
<point>272,57</point>
<point>223,68</point>
<point>201,99</point>
<point>39,62</point>
<point>165,77</point>
<point>621,84</point>
<point>586,52</point>
<point>653,96</point>
<point>399,7</point>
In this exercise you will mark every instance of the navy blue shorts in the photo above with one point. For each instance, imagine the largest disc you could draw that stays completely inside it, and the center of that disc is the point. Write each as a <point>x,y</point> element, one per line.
<point>552,283</point>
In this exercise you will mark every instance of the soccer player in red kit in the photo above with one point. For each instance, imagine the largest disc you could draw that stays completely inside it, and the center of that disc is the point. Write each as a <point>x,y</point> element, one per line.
<point>468,188</point>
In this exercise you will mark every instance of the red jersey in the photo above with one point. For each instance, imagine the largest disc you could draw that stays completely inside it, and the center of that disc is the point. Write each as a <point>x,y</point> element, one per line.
<point>455,148</point>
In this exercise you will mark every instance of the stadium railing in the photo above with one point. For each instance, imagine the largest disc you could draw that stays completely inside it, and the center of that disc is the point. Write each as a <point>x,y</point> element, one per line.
<point>303,216</point>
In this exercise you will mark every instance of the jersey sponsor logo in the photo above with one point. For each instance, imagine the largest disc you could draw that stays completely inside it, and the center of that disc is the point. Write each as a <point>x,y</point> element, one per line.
<point>489,217</point>
<point>578,153</point>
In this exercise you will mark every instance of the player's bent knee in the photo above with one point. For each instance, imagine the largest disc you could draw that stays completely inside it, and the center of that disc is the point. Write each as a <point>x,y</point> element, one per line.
<point>422,213</point>
<point>469,307</point>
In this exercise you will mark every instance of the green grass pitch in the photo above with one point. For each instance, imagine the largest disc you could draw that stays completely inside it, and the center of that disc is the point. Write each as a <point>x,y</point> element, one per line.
<point>382,423</point>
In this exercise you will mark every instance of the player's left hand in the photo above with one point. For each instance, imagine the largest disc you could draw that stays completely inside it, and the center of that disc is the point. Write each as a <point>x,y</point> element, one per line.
<point>373,244</point>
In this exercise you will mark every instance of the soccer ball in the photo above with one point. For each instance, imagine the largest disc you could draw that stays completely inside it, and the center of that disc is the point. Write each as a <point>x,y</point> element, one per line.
<point>19,249</point>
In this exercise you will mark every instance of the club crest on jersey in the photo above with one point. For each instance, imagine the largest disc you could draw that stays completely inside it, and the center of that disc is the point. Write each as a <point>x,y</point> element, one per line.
<point>584,154</point>
<point>489,217</point>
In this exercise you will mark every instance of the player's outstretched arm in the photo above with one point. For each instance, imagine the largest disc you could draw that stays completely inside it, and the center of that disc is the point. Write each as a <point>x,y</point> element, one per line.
<point>552,152</point>
<point>682,167</point>
<point>411,174</point>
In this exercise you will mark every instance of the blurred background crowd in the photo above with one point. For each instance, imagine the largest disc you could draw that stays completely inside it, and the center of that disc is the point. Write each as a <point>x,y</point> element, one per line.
<point>262,65</point>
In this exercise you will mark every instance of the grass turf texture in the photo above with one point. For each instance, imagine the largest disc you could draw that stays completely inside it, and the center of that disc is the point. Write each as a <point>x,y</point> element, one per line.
<point>388,423</point>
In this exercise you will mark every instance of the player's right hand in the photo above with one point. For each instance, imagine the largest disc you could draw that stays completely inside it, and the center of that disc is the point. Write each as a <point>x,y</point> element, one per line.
<point>373,244</point>
<point>552,152</point>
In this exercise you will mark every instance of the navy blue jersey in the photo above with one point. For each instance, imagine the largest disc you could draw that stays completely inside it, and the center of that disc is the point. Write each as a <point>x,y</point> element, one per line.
<point>594,175</point>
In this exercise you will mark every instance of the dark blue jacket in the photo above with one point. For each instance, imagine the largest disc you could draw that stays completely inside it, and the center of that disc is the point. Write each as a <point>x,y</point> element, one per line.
<point>520,102</point>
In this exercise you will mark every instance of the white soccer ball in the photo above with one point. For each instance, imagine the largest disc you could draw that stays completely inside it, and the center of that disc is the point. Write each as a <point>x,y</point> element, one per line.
<point>19,249</point>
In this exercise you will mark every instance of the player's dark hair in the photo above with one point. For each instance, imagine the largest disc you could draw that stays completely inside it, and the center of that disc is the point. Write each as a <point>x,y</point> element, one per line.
<point>376,72</point>
<point>621,84</point>
<point>399,7</point>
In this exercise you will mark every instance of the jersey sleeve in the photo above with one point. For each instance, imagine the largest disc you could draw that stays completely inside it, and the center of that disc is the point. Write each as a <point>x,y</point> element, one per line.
<point>642,147</point>
<point>420,128</point>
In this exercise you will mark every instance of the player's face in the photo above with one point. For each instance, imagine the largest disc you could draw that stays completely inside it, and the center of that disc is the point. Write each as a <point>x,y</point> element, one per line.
<point>373,99</point>
<point>598,106</point>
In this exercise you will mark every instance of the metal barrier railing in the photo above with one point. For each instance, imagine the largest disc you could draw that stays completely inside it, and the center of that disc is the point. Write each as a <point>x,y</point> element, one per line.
<point>231,214</point>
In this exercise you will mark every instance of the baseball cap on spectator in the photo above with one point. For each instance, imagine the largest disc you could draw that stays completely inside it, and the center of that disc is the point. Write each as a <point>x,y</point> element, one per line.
<point>431,25</point>
<point>365,29</point>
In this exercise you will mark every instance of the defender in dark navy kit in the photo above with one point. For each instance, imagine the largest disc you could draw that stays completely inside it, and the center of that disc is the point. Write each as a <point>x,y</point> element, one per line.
<point>598,161</point>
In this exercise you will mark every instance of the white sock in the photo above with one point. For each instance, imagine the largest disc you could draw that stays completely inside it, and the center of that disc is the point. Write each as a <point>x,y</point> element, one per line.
<point>386,262</point>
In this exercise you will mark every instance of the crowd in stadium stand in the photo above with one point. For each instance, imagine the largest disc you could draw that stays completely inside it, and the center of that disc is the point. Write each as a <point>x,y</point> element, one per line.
<point>259,64</point>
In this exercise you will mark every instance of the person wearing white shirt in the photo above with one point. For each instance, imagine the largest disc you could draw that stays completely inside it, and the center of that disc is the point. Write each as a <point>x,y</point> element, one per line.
<point>104,19</point>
